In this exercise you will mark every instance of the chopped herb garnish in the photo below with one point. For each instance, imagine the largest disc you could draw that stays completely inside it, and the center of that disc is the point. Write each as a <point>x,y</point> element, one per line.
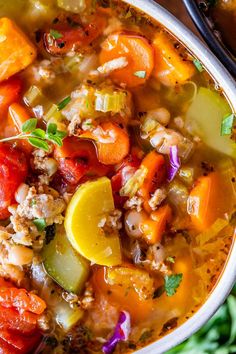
<point>63,103</point>
<point>198,65</point>
<point>55,34</point>
<point>141,74</point>
<point>170,259</point>
<point>37,137</point>
<point>40,224</point>
<point>227,124</point>
<point>172,282</point>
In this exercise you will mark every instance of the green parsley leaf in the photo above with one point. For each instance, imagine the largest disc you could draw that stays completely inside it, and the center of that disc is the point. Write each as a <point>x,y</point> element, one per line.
<point>51,128</point>
<point>40,224</point>
<point>55,139</point>
<point>40,144</point>
<point>141,74</point>
<point>198,65</point>
<point>55,34</point>
<point>172,282</point>
<point>227,124</point>
<point>39,133</point>
<point>61,134</point>
<point>29,125</point>
<point>63,103</point>
<point>170,259</point>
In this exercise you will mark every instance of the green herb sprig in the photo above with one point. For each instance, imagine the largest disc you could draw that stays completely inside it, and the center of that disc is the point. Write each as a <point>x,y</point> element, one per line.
<point>38,137</point>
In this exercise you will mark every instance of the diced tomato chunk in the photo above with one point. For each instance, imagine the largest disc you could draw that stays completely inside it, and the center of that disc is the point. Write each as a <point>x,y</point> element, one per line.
<point>11,319</point>
<point>22,343</point>
<point>77,158</point>
<point>72,34</point>
<point>21,300</point>
<point>13,171</point>
<point>6,348</point>
<point>125,171</point>
<point>9,93</point>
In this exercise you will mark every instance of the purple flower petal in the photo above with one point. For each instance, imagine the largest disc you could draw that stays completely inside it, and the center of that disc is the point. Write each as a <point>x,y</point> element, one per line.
<point>121,333</point>
<point>174,163</point>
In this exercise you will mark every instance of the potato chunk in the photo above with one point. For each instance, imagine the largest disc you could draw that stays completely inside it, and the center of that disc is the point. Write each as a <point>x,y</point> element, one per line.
<point>16,50</point>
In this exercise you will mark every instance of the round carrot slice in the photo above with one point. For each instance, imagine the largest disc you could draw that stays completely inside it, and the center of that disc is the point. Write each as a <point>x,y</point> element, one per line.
<point>138,53</point>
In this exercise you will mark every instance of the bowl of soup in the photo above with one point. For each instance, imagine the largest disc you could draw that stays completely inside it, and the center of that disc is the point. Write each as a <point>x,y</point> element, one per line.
<point>117,178</point>
<point>216,21</point>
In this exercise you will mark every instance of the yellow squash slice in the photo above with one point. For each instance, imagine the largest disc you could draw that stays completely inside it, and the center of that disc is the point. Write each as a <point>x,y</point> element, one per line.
<point>89,205</point>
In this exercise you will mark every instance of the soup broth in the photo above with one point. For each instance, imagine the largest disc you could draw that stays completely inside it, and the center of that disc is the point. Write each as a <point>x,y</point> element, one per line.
<point>117,178</point>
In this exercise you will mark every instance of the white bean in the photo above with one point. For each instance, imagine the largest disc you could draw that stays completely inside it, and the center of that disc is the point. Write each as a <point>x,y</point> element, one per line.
<point>133,219</point>
<point>162,115</point>
<point>21,193</point>
<point>20,255</point>
<point>50,166</point>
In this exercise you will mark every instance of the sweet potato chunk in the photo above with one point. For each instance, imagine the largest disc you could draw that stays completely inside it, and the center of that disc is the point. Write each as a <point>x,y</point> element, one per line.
<point>16,50</point>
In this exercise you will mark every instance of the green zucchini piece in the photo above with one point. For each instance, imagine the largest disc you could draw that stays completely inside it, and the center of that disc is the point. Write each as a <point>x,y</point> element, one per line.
<point>204,118</point>
<point>68,268</point>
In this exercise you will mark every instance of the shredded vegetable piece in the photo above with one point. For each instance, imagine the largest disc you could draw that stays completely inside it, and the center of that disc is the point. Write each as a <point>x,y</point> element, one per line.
<point>134,183</point>
<point>174,163</point>
<point>212,231</point>
<point>121,333</point>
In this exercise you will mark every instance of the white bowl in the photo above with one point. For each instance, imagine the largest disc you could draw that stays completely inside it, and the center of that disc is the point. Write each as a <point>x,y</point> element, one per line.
<point>228,84</point>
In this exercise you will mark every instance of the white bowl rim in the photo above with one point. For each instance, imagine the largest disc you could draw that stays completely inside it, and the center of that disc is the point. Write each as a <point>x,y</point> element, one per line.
<point>228,84</point>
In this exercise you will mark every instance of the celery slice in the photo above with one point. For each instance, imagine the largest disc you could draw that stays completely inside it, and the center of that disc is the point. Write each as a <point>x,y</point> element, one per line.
<point>204,118</point>
<point>69,269</point>
<point>75,6</point>
<point>110,102</point>
<point>53,112</point>
<point>67,317</point>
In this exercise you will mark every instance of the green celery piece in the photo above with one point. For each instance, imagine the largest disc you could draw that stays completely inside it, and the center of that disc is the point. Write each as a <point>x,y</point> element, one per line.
<point>67,317</point>
<point>69,269</point>
<point>204,118</point>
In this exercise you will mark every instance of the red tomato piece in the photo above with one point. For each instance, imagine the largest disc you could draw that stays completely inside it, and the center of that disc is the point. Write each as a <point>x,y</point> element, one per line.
<point>22,300</point>
<point>23,344</point>
<point>11,319</point>
<point>77,158</point>
<point>70,33</point>
<point>6,348</point>
<point>9,93</point>
<point>125,171</point>
<point>13,171</point>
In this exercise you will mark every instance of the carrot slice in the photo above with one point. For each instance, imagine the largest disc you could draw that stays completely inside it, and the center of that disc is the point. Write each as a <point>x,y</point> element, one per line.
<point>170,67</point>
<point>154,227</point>
<point>206,201</point>
<point>112,142</point>
<point>138,53</point>
<point>155,164</point>
<point>22,300</point>
<point>17,116</point>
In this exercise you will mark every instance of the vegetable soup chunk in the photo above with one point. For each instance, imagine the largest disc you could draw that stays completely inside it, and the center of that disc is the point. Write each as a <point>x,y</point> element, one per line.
<point>117,178</point>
